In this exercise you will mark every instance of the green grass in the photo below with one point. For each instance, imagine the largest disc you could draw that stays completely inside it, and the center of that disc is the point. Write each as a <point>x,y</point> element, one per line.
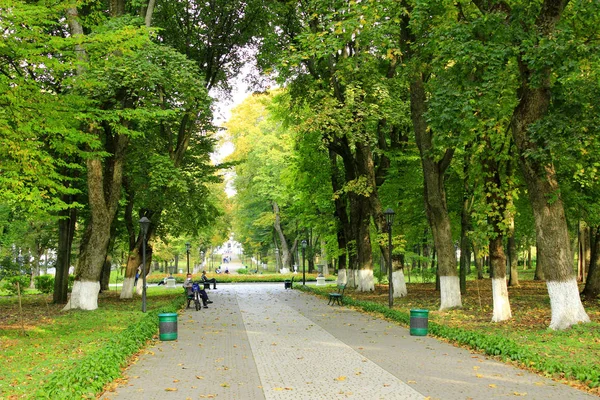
<point>56,346</point>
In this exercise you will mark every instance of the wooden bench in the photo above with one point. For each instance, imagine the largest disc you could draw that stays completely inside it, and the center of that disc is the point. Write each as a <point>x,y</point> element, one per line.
<point>337,297</point>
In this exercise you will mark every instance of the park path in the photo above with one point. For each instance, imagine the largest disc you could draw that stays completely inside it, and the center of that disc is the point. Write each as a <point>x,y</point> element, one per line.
<point>260,341</point>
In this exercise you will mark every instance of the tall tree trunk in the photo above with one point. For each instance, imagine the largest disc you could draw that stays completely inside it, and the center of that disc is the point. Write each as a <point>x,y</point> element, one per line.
<point>283,244</point>
<point>584,250</point>
<point>66,232</point>
<point>435,198</point>
<point>540,176</point>
<point>502,310</point>
<point>497,204</point>
<point>591,291</point>
<point>104,191</point>
<point>513,258</point>
<point>343,229</point>
<point>465,226</point>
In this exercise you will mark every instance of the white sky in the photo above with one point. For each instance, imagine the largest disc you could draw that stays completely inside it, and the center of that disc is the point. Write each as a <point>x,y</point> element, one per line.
<point>222,114</point>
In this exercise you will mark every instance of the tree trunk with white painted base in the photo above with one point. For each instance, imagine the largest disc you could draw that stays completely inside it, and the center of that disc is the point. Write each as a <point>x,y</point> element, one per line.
<point>365,281</point>
<point>535,95</point>
<point>342,278</point>
<point>399,283</point>
<point>435,197</point>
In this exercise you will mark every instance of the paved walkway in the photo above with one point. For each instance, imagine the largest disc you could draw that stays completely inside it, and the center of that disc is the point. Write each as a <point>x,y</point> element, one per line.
<point>260,341</point>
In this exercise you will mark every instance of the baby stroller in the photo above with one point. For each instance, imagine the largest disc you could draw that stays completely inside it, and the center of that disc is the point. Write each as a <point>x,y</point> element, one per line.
<point>195,296</point>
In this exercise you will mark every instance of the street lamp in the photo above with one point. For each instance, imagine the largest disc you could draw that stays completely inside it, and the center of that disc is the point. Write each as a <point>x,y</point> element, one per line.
<point>201,259</point>
<point>303,265</point>
<point>277,258</point>
<point>389,218</point>
<point>187,250</point>
<point>144,225</point>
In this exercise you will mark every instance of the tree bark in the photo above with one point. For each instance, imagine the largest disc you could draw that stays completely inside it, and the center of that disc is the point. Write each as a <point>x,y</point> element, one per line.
<point>104,191</point>
<point>513,258</point>
<point>66,232</point>
<point>552,233</point>
<point>283,244</point>
<point>465,226</point>
<point>435,198</point>
<point>343,230</point>
<point>591,290</point>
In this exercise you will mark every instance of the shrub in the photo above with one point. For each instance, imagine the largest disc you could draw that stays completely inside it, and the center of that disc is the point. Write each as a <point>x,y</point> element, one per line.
<point>11,283</point>
<point>44,283</point>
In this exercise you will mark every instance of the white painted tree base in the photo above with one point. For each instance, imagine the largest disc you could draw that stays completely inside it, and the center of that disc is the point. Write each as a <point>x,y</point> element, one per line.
<point>127,288</point>
<point>139,288</point>
<point>450,292</point>
<point>399,283</point>
<point>365,280</point>
<point>565,302</point>
<point>342,278</point>
<point>84,296</point>
<point>502,310</point>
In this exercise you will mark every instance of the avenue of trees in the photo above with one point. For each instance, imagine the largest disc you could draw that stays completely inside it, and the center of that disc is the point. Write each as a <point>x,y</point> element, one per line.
<point>475,121</point>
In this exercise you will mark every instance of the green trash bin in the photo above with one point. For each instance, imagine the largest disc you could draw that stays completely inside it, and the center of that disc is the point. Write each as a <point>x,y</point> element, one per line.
<point>418,322</point>
<point>167,326</point>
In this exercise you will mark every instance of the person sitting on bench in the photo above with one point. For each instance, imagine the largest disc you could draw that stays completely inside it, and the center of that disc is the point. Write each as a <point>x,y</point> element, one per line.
<point>188,285</point>
<point>211,280</point>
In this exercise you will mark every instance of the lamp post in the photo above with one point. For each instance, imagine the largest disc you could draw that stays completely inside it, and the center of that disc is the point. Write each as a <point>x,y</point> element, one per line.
<point>303,264</point>
<point>277,258</point>
<point>389,219</point>
<point>144,224</point>
<point>201,259</point>
<point>187,250</point>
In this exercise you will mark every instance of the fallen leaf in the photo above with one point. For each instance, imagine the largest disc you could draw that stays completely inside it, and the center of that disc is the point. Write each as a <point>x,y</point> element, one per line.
<point>340,378</point>
<point>411,382</point>
<point>479,375</point>
<point>492,385</point>
<point>225,384</point>
<point>170,389</point>
<point>199,377</point>
<point>520,394</point>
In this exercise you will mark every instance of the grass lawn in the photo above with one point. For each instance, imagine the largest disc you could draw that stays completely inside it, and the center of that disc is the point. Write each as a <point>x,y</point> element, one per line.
<point>47,340</point>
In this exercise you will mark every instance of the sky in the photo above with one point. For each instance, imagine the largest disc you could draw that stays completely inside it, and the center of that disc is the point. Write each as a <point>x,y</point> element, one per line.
<point>222,114</point>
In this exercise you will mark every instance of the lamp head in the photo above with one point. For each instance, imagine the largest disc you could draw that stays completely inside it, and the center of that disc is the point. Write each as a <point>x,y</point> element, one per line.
<point>389,216</point>
<point>187,246</point>
<point>144,225</point>
<point>304,244</point>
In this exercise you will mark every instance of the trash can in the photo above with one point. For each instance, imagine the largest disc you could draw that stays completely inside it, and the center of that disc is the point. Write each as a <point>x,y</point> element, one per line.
<point>418,322</point>
<point>287,284</point>
<point>167,326</point>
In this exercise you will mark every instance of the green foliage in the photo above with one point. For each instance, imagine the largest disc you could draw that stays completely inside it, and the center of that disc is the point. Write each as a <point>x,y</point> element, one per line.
<point>16,284</point>
<point>44,283</point>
